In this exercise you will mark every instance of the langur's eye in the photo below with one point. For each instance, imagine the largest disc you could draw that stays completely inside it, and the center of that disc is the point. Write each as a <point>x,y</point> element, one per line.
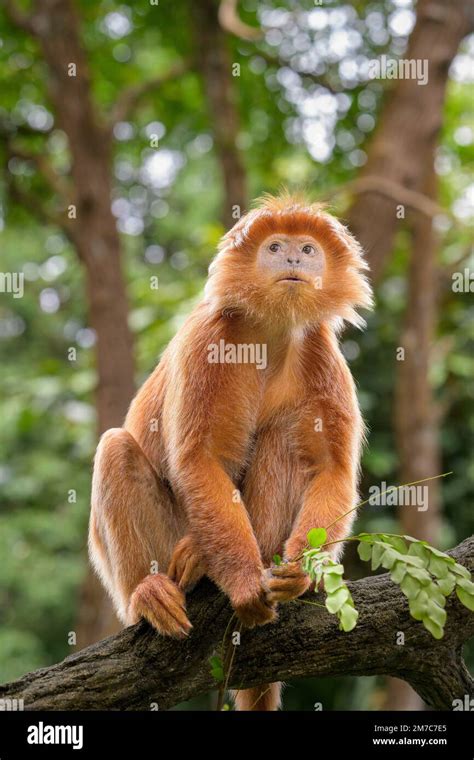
<point>308,249</point>
<point>274,247</point>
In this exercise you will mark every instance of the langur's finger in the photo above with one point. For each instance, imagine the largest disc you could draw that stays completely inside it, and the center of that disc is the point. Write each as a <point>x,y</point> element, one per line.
<point>161,612</point>
<point>171,572</point>
<point>285,594</point>
<point>288,571</point>
<point>256,614</point>
<point>282,590</point>
<point>177,565</point>
<point>280,584</point>
<point>192,573</point>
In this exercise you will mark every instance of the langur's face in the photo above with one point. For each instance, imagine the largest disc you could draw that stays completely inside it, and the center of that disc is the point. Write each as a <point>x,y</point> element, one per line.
<point>291,262</point>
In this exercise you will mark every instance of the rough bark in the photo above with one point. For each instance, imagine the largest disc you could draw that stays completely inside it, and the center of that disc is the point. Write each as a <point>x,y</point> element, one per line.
<point>403,144</point>
<point>138,667</point>
<point>215,66</point>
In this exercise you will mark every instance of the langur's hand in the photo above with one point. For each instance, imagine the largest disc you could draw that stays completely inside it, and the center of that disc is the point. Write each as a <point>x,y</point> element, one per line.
<point>250,600</point>
<point>286,582</point>
<point>185,568</point>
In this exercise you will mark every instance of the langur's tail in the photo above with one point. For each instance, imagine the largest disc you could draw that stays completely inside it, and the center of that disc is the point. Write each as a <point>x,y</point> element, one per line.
<point>266,697</point>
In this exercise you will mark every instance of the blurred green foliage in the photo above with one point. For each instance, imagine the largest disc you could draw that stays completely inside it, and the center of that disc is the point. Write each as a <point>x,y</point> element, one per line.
<point>46,399</point>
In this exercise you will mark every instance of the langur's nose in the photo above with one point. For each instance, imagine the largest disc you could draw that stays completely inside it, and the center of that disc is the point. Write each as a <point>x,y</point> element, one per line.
<point>292,260</point>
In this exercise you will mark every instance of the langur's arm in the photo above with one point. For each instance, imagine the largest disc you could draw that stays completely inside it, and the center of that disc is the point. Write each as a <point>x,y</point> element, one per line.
<point>206,416</point>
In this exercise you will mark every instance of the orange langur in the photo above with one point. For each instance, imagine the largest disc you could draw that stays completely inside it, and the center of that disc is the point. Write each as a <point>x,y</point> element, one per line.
<point>225,460</point>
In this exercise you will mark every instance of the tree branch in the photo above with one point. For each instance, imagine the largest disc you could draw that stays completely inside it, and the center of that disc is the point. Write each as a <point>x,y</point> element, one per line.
<point>138,667</point>
<point>394,191</point>
<point>319,79</point>
<point>130,97</point>
<point>230,22</point>
<point>401,148</point>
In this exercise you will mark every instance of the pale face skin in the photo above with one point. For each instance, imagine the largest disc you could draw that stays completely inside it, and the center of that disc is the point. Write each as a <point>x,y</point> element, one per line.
<point>292,260</point>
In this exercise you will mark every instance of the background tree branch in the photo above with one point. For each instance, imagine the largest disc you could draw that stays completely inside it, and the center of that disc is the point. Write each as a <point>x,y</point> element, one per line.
<point>138,667</point>
<point>130,97</point>
<point>230,21</point>
<point>401,150</point>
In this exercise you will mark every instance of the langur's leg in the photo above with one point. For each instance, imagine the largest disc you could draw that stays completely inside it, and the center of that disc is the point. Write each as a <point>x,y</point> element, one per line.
<point>135,525</point>
<point>271,493</point>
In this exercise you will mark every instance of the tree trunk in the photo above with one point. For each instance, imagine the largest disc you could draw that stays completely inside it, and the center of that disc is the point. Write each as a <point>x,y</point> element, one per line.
<point>214,63</point>
<point>95,236</point>
<point>403,145</point>
<point>402,152</point>
<point>416,419</point>
<point>416,414</point>
<point>139,668</point>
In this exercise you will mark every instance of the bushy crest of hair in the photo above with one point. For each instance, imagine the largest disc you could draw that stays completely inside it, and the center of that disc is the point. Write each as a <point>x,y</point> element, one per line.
<point>232,282</point>
<point>287,201</point>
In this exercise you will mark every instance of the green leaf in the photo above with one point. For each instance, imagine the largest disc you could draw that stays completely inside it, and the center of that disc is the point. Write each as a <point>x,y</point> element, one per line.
<point>436,613</point>
<point>436,631</point>
<point>418,549</point>
<point>333,568</point>
<point>215,662</point>
<point>396,541</point>
<point>441,555</point>
<point>366,537</point>
<point>414,561</point>
<point>317,576</point>
<point>388,558</point>
<point>466,584</point>
<point>465,595</point>
<point>348,617</point>
<point>218,674</point>
<point>438,566</point>
<point>447,584</point>
<point>317,536</point>
<point>412,540</point>
<point>398,572</point>
<point>436,595</point>
<point>335,601</point>
<point>276,559</point>
<point>410,586</point>
<point>332,581</point>
<point>421,575</point>
<point>419,605</point>
<point>364,551</point>
<point>377,552</point>
<point>461,570</point>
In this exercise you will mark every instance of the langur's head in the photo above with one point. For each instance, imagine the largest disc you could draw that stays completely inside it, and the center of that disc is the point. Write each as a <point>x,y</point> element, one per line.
<point>288,261</point>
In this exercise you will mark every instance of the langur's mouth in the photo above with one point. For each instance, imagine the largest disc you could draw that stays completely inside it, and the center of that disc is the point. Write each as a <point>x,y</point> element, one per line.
<point>291,278</point>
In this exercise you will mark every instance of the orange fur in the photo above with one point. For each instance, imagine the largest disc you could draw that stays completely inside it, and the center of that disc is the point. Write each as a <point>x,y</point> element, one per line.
<point>220,466</point>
